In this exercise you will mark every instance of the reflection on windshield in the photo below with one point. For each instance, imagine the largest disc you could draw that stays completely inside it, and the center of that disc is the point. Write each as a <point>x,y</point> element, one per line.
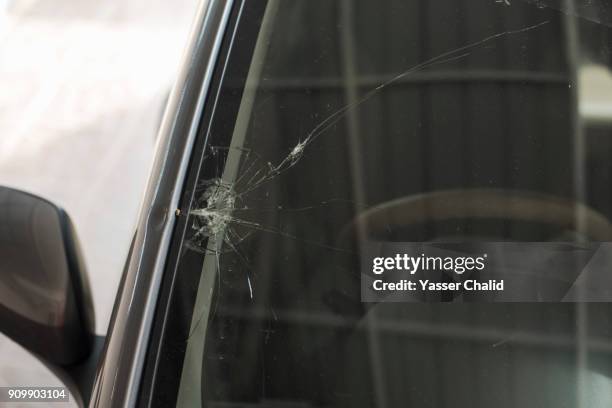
<point>351,105</point>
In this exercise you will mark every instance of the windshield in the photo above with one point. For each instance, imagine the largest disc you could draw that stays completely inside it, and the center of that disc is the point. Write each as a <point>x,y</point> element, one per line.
<point>423,121</point>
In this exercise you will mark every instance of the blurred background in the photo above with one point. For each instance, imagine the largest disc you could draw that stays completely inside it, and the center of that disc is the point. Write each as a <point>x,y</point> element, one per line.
<point>83,86</point>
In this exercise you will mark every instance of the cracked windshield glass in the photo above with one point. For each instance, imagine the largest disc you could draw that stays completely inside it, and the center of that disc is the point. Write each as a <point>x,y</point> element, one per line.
<point>337,123</point>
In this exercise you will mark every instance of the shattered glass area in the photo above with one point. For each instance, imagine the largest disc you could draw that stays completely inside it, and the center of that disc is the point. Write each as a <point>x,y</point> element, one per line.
<point>212,220</point>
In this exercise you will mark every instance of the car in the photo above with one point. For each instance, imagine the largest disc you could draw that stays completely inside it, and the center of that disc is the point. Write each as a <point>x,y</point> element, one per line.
<point>301,141</point>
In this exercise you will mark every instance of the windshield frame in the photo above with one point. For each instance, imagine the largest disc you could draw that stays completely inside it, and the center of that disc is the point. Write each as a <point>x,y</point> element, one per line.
<point>164,359</point>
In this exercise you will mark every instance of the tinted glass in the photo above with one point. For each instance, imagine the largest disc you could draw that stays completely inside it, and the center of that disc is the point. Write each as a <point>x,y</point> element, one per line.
<point>348,106</point>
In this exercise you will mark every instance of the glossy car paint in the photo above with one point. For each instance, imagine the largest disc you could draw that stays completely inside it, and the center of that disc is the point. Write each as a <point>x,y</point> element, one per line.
<point>40,256</point>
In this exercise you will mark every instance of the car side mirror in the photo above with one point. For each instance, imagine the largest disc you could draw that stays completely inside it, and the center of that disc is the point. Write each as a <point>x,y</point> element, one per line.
<point>45,301</point>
